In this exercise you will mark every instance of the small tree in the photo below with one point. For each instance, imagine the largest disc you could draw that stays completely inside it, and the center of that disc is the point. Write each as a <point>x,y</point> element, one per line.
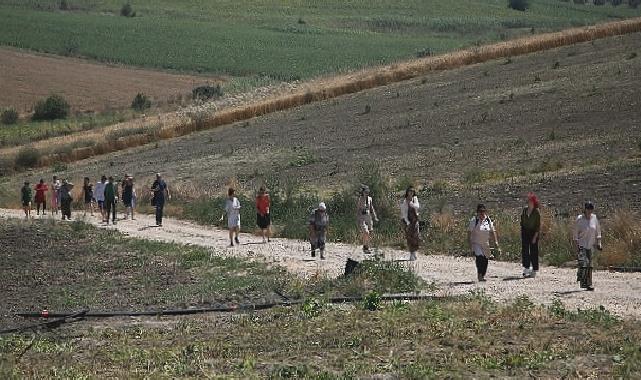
<point>9,116</point>
<point>127,11</point>
<point>207,92</point>
<point>519,5</point>
<point>141,102</point>
<point>63,5</point>
<point>54,107</point>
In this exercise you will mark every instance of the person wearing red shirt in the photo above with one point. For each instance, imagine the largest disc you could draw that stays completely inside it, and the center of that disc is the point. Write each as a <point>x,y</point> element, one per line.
<point>41,197</point>
<point>263,219</point>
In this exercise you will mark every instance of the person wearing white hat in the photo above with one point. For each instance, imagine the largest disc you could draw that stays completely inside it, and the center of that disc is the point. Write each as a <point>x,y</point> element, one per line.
<point>318,222</point>
<point>365,216</point>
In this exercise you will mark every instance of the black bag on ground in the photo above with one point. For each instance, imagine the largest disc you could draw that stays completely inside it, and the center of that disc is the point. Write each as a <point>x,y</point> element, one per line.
<point>350,266</point>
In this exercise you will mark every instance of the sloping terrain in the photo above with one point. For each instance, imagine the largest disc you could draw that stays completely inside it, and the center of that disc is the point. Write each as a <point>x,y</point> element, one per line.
<point>564,123</point>
<point>27,78</point>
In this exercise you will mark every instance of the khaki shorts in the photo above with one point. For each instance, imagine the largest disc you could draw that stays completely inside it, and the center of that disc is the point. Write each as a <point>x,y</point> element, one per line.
<point>365,223</point>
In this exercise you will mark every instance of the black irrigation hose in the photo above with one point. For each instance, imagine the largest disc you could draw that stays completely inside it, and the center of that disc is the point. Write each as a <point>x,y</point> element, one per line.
<point>232,308</point>
<point>59,320</point>
<point>623,269</point>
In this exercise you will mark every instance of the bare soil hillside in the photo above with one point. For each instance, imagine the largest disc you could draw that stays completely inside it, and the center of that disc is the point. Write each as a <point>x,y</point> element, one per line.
<point>564,123</point>
<point>27,77</point>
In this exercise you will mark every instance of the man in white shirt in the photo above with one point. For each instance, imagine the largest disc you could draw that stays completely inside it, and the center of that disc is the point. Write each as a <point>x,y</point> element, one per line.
<point>586,234</point>
<point>99,194</point>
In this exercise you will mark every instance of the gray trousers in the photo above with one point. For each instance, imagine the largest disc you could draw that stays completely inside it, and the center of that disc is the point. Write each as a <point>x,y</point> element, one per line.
<point>584,272</point>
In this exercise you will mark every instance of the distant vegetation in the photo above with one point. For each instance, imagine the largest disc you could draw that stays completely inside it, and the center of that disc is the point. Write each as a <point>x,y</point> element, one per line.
<point>52,108</point>
<point>9,116</point>
<point>141,102</point>
<point>280,40</point>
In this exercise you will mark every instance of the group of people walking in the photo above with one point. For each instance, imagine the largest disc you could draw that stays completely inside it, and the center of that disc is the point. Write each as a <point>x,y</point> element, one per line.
<point>103,195</point>
<point>482,232</point>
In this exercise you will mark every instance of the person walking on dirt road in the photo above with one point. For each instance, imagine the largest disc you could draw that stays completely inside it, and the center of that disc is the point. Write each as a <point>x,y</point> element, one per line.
<point>88,196</point>
<point>99,195</point>
<point>530,233</point>
<point>55,195</point>
<point>480,230</point>
<point>111,198</point>
<point>160,193</point>
<point>263,218</point>
<point>318,223</point>
<point>232,209</point>
<point>25,197</point>
<point>41,196</point>
<point>365,216</point>
<point>409,218</point>
<point>128,196</point>
<point>586,235</point>
<point>65,199</point>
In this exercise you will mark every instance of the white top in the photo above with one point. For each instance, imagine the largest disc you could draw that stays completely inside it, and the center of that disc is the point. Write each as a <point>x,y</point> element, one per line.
<point>232,208</point>
<point>405,208</point>
<point>99,191</point>
<point>586,232</point>
<point>480,230</point>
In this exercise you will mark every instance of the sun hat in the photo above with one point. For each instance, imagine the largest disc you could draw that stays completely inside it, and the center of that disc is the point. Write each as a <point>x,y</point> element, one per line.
<point>321,206</point>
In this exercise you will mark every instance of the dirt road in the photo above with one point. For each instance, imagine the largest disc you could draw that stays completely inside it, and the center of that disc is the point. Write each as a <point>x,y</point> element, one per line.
<point>618,292</point>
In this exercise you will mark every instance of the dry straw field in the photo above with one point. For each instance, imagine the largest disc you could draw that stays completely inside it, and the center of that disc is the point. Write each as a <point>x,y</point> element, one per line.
<point>84,145</point>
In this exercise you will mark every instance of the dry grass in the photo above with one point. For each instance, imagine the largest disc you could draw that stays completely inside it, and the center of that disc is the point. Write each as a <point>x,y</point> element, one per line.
<point>322,89</point>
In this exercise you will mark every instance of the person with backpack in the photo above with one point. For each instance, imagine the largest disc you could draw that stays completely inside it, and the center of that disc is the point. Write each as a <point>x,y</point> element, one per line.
<point>530,233</point>
<point>160,193</point>
<point>41,197</point>
<point>365,216</point>
<point>25,196</point>
<point>111,198</point>
<point>318,222</point>
<point>263,218</point>
<point>99,195</point>
<point>87,191</point>
<point>586,236</point>
<point>66,198</point>
<point>232,209</point>
<point>409,218</point>
<point>480,230</point>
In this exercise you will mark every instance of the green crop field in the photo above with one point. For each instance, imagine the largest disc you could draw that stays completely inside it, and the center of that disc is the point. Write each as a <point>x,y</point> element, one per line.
<point>282,40</point>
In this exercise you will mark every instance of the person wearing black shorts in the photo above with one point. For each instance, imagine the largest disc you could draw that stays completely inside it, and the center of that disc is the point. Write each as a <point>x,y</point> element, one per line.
<point>263,218</point>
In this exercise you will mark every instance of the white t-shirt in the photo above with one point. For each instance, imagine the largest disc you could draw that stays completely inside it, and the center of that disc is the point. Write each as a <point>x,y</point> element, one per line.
<point>586,232</point>
<point>99,192</point>
<point>405,208</point>
<point>480,230</point>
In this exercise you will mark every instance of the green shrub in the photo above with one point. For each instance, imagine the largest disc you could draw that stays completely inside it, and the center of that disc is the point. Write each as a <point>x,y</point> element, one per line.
<point>207,92</point>
<point>27,157</point>
<point>312,307</point>
<point>372,301</point>
<point>63,5</point>
<point>519,5</point>
<point>141,102</point>
<point>54,107</point>
<point>127,11</point>
<point>9,116</point>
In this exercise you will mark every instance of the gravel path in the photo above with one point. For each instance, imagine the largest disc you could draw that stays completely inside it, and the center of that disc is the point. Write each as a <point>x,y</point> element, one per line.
<point>620,293</point>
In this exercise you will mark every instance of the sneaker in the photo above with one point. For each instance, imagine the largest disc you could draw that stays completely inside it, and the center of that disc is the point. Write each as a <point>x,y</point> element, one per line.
<point>313,253</point>
<point>236,240</point>
<point>527,272</point>
<point>412,256</point>
<point>366,249</point>
<point>589,289</point>
<point>481,278</point>
<point>322,255</point>
<point>533,273</point>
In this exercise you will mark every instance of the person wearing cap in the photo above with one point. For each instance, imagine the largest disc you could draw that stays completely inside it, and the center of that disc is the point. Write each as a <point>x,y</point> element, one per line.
<point>128,196</point>
<point>87,191</point>
<point>586,235</point>
<point>480,230</point>
<point>530,233</point>
<point>409,217</point>
<point>99,195</point>
<point>160,192</point>
<point>263,218</point>
<point>318,223</point>
<point>25,196</point>
<point>66,199</point>
<point>232,209</point>
<point>365,216</point>
<point>111,198</point>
